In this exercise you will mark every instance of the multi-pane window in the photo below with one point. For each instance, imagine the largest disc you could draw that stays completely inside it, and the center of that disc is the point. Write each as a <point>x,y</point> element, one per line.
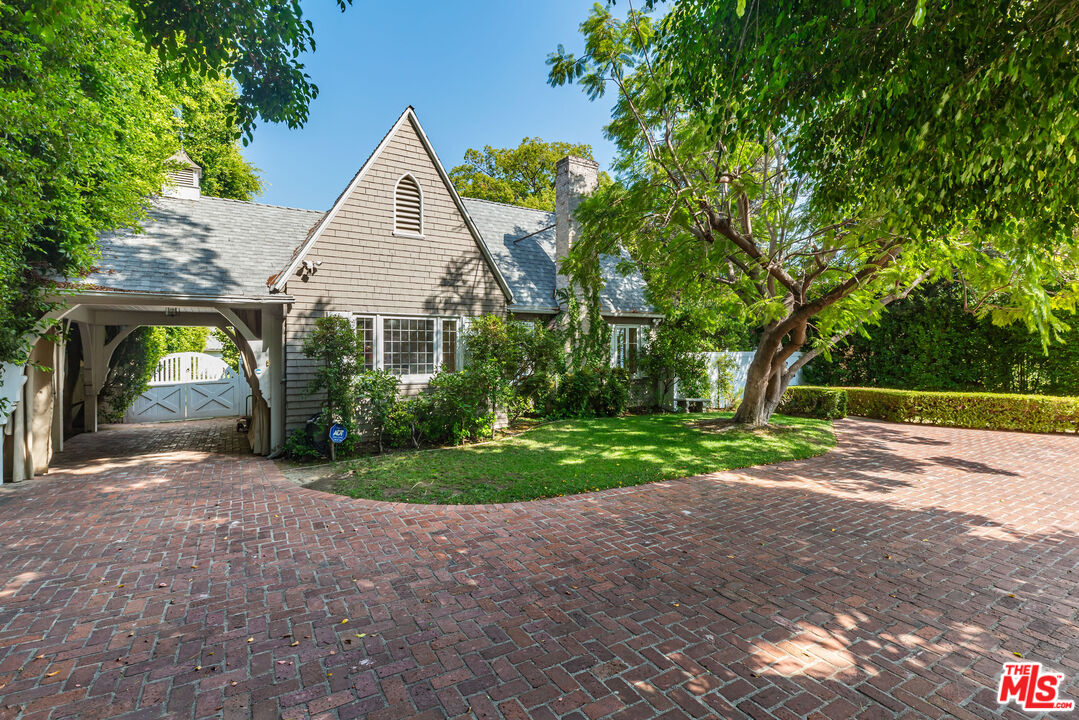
<point>626,347</point>
<point>408,346</point>
<point>365,334</point>
<point>449,345</point>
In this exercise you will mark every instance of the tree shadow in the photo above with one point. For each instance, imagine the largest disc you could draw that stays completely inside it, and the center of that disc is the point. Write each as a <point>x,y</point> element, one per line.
<point>206,247</point>
<point>742,594</point>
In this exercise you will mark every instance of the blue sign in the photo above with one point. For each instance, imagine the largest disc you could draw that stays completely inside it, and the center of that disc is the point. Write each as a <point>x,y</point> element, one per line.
<point>338,433</point>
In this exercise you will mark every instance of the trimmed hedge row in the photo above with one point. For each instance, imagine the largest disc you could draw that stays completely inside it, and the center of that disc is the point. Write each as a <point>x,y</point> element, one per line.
<point>814,402</point>
<point>991,411</point>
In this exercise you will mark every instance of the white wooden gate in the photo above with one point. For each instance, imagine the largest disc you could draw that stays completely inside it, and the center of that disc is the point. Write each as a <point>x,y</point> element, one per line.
<point>188,386</point>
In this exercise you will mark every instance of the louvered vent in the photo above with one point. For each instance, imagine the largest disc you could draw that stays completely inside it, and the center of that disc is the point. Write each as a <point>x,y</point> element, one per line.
<point>185,177</point>
<point>408,207</point>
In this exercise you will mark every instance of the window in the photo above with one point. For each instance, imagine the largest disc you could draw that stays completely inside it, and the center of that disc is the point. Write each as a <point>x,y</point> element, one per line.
<point>408,208</point>
<point>449,345</point>
<point>365,334</point>
<point>626,340</point>
<point>408,346</point>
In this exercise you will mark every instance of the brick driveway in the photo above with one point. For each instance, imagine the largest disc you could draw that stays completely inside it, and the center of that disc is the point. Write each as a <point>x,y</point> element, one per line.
<point>890,578</point>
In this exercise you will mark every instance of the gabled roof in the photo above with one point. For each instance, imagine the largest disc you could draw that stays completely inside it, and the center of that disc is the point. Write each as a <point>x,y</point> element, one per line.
<point>278,280</point>
<point>522,242</point>
<point>210,246</point>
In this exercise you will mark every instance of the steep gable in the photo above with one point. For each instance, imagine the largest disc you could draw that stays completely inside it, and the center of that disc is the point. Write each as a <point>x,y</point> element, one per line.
<point>354,261</point>
<point>404,146</point>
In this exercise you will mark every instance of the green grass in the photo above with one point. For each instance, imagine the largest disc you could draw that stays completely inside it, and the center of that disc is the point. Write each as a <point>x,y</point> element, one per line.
<point>575,456</point>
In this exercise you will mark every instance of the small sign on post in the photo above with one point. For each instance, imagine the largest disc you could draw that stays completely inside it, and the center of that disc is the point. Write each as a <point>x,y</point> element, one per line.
<point>338,433</point>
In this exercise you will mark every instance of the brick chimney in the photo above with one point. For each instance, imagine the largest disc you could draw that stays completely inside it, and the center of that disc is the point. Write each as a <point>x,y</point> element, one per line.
<point>575,178</point>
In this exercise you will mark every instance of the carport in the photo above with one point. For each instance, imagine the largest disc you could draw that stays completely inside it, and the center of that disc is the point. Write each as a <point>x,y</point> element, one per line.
<point>196,262</point>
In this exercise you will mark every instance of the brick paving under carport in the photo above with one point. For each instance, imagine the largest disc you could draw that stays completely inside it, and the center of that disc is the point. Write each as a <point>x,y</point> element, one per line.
<point>146,577</point>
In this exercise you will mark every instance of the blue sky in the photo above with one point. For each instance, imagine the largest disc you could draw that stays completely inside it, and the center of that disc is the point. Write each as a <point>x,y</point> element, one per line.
<point>474,71</point>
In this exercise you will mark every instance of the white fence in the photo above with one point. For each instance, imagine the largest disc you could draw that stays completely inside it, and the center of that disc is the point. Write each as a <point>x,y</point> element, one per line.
<point>187,386</point>
<point>190,367</point>
<point>739,371</point>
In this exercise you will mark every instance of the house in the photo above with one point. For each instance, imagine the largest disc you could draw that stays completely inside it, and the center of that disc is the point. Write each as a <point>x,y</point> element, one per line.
<point>399,253</point>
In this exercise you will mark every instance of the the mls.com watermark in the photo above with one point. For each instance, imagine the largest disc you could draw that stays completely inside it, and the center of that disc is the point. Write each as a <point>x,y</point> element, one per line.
<point>1032,688</point>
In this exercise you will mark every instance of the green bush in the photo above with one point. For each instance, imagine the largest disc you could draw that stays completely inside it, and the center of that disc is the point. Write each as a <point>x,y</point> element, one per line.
<point>529,359</point>
<point>592,392</point>
<point>404,421</point>
<point>815,402</point>
<point>300,446</point>
<point>929,341</point>
<point>462,404</point>
<point>993,411</point>
<point>376,398</point>
<point>333,344</point>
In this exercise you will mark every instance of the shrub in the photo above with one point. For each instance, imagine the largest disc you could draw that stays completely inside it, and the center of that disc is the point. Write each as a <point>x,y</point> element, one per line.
<point>405,419</point>
<point>726,393</point>
<point>592,392</point>
<point>300,445</point>
<point>673,354</point>
<point>930,341</point>
<point>333,344</point>
<point>815,402</point>
<point>462,404</point>
<point>376,397</point>
<point>993,411</point>
<point>529,359</point>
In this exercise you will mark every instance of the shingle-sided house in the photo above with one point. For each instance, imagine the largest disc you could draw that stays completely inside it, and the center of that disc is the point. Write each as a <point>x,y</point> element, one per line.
<point>399,252</point>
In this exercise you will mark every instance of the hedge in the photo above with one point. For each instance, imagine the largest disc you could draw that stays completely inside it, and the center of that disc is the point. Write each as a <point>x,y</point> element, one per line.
<point>990,411</point>
<point>815,402</point>
<point>929,341</point>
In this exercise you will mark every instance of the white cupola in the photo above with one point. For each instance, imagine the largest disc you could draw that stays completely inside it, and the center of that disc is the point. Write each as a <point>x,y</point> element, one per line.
<point>184,178</point>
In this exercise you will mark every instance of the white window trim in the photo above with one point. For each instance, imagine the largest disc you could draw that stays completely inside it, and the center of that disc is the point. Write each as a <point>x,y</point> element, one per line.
<point>380,333</point>
<point>405,233</point>
<point>643,333</point>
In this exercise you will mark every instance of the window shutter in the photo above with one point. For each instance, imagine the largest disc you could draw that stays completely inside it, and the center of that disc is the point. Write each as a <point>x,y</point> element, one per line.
<point>408,207</point>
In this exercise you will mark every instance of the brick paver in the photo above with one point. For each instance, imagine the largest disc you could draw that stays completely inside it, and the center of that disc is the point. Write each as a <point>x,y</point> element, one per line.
<point>890,578</point>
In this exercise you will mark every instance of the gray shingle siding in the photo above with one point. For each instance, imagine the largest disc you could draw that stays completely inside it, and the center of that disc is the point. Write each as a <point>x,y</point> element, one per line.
<point>366,269</point>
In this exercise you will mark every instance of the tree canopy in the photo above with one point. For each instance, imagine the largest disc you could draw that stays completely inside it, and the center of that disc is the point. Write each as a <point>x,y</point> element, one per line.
<point>86,113</point>
<point>259,43</point>
<point>210,139</point>
<point>820,160</point>
<point>523,175</point>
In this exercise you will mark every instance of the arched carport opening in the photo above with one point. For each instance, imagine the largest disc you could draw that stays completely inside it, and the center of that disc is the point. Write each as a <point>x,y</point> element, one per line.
<point>50,395</point>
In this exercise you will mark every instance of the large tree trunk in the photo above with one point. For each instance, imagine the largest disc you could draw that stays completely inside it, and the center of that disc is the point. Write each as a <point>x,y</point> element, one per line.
<point>767,379</point>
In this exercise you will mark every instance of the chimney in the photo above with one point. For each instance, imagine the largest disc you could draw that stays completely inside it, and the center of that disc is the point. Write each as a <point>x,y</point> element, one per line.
<point>184,178</point>
<point>575,178</point>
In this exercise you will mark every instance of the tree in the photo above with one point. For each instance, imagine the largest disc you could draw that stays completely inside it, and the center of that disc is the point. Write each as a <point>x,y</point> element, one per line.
<point>257,42</point>
<point>523,175</point>
<point>818,161</point>
<point>86,128</point>
<point>229,352</point>
<point>211,139</point>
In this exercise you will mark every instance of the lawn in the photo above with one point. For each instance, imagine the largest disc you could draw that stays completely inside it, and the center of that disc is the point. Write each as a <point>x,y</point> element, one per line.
<point>575,456</point>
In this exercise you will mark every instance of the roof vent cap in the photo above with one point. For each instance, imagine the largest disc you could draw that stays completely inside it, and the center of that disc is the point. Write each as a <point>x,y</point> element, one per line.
<point>184,178</point>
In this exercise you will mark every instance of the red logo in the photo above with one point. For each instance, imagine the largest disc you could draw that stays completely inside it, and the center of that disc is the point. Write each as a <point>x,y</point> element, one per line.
<point>1032,688</point>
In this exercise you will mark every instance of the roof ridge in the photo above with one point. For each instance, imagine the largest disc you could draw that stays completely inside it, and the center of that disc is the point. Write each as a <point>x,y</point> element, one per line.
<point>248,202</point>
<point>505,204</point>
